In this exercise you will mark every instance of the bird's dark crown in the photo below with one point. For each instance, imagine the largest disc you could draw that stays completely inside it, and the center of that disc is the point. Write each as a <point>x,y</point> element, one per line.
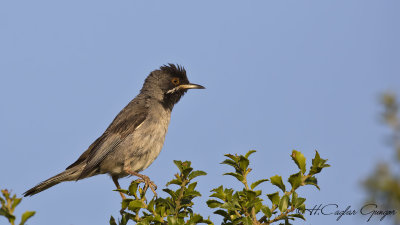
<point>175,70</point>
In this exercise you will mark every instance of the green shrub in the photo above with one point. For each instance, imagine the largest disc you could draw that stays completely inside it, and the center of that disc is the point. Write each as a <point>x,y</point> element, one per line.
<point>8,204</point>
<point>236,207</point>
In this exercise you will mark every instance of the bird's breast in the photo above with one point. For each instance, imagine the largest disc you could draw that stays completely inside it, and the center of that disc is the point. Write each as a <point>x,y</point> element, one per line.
<point>146,142</point>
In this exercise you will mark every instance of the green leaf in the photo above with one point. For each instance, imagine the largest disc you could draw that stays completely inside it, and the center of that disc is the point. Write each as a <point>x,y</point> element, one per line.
<point>222,213</point>
<point>170,192</point>
<point>186,164</point>
<point>5,193</point>
<point>317,158</point>
<point>318,164</point>
<point>135,204</point>
<point>294,198</point>
<point>234,158</point>
<point>2,201</point>
<point>300,201</point>
<point>214,203</point>
<point>298,216</point>
<point>229,205</point>
<point>192,193</point>
<point>10,217</point>
<point>243,163</point>
<point>267,211</point>
<point>161,210</point>
<point>277,181</point>
<point>158,218</point>
<point>26,216</point>
<point>274,197</point>
<point>178,164</point>
<point>251,195</point>
<point>283,204</point>
<point>218,193</point>
<point>300,160</point>
<point>186,171</point>
<point>236,175</point>
<point>133,188</point>
<point>112,221</point>
<point>15,203</point>
<point>195,219</point>
<point>174,181</point>
<point>124,219</point>
<point>295,180</point>
<point>249,153</point>
<point>196,174</point>
<point>122,191</point>
<point>125,203</point>
<point>150,206</point>
<point>302,208</point>
<point>258,204</point>
<point>315,164</point>
<point>312,181</point>
<point>3,212</point>
<point>255,184</point>
<point>230,163</point>
<point>192,186</point>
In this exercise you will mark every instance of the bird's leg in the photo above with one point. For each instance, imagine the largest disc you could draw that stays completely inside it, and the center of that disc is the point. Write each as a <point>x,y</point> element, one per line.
<point>115,180</point>
<point>144,179</point>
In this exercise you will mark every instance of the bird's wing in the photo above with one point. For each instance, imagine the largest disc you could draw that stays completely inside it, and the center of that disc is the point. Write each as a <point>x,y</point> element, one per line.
<point>84,155</point>
<point>124,124</point>
<point>97,155</point>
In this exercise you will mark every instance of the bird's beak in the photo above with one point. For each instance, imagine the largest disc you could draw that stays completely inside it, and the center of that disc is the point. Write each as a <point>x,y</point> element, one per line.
<point>185,87</point>
<point>190,86</point>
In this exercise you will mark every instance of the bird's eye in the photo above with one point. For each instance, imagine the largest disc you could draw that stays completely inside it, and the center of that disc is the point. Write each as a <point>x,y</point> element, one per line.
<point>175,80</point>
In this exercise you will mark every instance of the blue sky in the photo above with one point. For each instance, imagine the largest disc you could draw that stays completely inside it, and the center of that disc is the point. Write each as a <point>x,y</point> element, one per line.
<point>280,75</point>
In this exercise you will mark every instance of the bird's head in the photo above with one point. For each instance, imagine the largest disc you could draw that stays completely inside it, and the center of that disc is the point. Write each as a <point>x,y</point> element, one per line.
<point>168,84</point>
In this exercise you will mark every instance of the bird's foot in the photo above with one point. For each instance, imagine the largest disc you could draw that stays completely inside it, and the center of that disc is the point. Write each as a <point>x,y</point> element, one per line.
<point>144,179</point>
<point>147,183</point>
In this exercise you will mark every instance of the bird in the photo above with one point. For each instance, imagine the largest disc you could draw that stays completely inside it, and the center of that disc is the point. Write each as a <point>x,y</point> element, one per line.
<point>135,137</point>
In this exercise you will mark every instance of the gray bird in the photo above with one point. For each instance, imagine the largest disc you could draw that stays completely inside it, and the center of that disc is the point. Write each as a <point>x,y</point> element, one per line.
<point>135,137</point>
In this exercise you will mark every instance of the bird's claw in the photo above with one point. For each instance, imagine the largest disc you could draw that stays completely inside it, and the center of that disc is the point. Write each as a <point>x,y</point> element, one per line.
<point>148,183</point>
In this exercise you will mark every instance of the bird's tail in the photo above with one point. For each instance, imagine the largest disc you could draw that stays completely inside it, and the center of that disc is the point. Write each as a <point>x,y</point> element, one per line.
<point>67,175</point>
